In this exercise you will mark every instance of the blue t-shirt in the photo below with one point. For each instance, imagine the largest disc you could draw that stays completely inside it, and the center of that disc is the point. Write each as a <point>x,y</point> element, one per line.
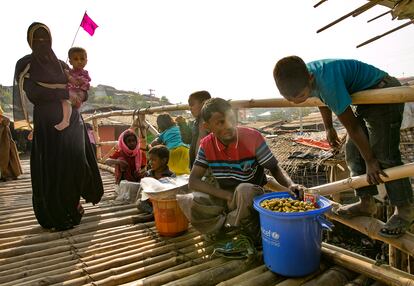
<point>336,80</point>
<point>171,138</point>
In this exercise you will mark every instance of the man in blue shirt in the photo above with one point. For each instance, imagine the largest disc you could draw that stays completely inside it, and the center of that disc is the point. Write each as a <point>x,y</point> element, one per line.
<point>373,129</point>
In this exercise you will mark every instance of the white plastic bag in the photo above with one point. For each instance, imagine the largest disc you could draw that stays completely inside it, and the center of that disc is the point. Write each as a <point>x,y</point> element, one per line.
<point>127,191</point>
<point>164,188</point>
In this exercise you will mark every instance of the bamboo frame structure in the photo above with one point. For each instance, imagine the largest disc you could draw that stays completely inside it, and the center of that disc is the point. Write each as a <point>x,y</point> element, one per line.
<point>386,33</point>
<point>366,266</point>
<point>375,96</point>
<point>355,182</point>
<point>353,13</point>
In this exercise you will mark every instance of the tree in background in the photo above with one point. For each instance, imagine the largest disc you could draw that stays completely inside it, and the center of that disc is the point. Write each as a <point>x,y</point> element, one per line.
<point>5,96</point>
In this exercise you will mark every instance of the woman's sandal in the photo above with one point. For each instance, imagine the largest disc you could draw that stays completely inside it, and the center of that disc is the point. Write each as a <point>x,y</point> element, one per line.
<point>395,227</point>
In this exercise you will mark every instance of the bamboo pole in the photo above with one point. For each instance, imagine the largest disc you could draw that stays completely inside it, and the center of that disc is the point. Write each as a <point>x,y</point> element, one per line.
<point>319,3</point>
<point>38,260</point>
<point>126,259</point>
<point>356,11</point>
<point>106,168</point>
<point>374,96</point>
<point>242,277</point>
<point>213,276</point>
<point>95,127</point>
<point>357,263</point>
<point>371,227</point>
<point>178,274</point>
<point>115,275</point>
<point>372,3</point>
<point>103,217</point>
<point>379,16</point>
<point>103,143</point>
<point>92,216</point>
<point>144,271</point>
<point>386,33</point>
<point>302,280</point>
<point>135,246</point>
<point>334,275</point>
<point>83,228</point>
<point>355,182</point>
<point>91,254</point>
<point>265,278</point>
<point>151,128</point>
<point>91,246</point>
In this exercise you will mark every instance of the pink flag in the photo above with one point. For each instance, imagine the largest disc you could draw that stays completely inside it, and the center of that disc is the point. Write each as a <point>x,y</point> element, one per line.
<point>88,24</point>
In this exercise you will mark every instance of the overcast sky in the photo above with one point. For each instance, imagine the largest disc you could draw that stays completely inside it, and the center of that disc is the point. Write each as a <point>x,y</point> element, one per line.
<point>228,47</point>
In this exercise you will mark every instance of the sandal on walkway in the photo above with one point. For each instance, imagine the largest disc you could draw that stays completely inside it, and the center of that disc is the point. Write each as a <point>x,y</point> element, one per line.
<point>395,227</point>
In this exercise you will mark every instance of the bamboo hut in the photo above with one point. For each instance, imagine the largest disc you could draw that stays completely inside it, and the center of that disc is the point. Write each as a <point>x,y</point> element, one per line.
<point>309,166</point>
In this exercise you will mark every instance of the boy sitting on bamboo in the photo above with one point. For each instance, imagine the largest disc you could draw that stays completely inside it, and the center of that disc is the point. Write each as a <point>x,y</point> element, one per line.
<point>237,157</point>
<point>158,160</point>
<point>373,129</point>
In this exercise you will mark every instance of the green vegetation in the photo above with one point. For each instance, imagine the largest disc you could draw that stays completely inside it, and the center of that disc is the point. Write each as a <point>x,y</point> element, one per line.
<point>6,97</point>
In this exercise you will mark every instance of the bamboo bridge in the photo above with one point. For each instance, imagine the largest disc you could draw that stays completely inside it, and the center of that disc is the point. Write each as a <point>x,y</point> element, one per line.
<point>116,244</point>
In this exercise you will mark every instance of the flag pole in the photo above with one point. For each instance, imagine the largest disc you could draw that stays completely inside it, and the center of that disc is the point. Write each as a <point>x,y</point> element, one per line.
<point>76,34</point>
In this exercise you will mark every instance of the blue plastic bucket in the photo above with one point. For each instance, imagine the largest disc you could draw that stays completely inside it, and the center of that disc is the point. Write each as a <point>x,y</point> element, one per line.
<point>292,241</point>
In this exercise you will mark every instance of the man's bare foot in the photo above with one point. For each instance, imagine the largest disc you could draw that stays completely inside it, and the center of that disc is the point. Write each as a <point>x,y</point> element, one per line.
<point>365,207</point>
<point>62,125</point>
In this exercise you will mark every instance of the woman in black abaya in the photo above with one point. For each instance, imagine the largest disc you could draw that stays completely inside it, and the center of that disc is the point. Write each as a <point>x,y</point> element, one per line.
<point>63,165</point>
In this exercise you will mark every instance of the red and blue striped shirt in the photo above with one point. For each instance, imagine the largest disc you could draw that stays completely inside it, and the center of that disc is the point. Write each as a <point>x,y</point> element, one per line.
<point>242,161</point>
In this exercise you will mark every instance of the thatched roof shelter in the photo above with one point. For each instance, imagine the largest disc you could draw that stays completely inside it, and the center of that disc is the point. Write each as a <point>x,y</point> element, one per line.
<point>307,165</point>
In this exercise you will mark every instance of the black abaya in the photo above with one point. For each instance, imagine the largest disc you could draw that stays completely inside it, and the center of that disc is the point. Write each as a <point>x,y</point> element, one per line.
<point>63,165</point>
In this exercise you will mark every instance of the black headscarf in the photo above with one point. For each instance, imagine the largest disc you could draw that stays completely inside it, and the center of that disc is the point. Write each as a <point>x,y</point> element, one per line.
<point>45,66</point>
<point>41,65</point>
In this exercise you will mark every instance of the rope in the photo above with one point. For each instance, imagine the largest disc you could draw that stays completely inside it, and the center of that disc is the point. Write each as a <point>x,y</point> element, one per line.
<point>185,256</point>
<point>75,252</point>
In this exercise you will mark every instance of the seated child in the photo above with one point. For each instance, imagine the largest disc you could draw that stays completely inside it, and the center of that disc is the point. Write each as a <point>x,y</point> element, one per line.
<point>237,157</point>
<point>78,82</point>
<point>129,160</point>
<point>170,136</point>
<point>158,160</point>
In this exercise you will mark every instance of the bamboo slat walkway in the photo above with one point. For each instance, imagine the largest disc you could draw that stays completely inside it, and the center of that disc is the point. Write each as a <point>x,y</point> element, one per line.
<point>117,245</point>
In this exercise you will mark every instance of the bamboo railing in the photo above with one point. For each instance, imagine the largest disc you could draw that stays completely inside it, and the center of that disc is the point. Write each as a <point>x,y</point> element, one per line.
<point>374,96</point>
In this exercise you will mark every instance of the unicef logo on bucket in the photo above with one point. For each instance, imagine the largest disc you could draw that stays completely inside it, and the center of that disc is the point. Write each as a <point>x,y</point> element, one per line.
<point>271,237</point>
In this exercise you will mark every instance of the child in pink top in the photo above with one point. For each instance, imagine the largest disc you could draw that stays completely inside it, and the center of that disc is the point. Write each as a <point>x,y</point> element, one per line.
<point>78,81</point>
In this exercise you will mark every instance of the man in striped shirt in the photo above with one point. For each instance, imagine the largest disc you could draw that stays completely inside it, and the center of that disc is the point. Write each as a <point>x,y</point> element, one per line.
<point>237,157</point>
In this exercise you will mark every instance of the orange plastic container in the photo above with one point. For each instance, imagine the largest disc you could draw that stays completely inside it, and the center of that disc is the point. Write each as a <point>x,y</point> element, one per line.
<point>169,219</point>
